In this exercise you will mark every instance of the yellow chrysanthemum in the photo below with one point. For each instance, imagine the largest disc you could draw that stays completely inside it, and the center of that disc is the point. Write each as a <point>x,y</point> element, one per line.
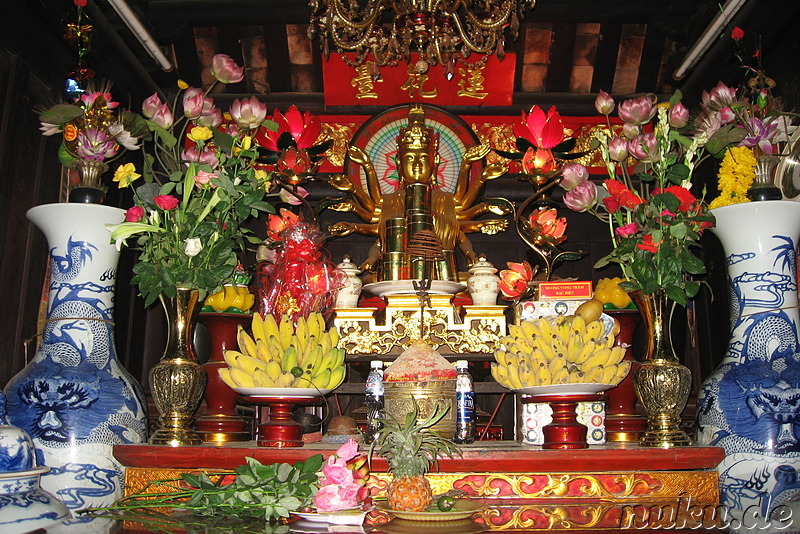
<point>200,133</point>
<point>736,175</point>
<point>125,175</point>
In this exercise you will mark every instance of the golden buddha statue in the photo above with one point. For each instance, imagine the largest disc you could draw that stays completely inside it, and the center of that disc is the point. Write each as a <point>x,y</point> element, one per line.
<point>418,216</point>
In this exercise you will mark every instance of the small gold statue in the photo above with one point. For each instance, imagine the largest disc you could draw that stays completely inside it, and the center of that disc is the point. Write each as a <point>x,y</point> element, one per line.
<point>418,215</point>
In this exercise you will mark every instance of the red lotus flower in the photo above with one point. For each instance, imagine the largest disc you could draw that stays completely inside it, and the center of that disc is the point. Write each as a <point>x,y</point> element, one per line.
<point>276,224</point>
<point>514,280</point>
<point>546,222</point>
<point>542,131</point>
<point>538,161</point>
<point>304,129</point>
<point>293,163</point>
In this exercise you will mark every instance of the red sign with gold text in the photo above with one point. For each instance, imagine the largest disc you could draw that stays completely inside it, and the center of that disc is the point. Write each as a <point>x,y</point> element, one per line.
<point>489,84</point>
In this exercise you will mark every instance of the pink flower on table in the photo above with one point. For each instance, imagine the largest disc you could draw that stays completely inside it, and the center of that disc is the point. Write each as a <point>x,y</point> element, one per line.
<point>225,69</point>
<point>166,202</point>
<point>248,113</point>
<point>163,117</point>
<point>627,230</point>
<point>637,110</point>
<point>134,214</point>
<point>582,197</point>
<point>572,175</point>
<point>678,116</point>
<point>540,129</point>
<point>151,105</point>
<point>644,147</point>
<point>333,498</point>
<point>604,104</point>
<point>348,450</point>
<point>293,198</point>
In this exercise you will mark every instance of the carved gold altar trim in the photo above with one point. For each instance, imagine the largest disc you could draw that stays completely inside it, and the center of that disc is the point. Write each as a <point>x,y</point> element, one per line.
<point>364,331</point>
<point>615,487</point>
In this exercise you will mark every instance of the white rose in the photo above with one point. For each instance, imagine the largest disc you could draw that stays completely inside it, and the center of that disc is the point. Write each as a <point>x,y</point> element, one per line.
<point>193,246</point>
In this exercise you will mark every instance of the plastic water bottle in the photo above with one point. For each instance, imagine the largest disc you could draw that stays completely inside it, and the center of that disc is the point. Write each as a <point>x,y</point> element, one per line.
<point>374,401</point>
<point>465,405</point>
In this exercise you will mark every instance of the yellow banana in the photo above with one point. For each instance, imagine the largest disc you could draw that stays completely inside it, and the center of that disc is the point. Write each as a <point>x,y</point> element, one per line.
<point>270,327</point>
<point>257,326</point>
<point>577,377</point>
<point>289,360</point>
<point>321,380</point>
<point>263,353</point>
<point>324,342</point>
<point>546,348</point>
<point>338,361</point>
<point>314,360</point>
<point>301,328</point>
<point>276,350</point>
<point>500,374</point>
<point>225,375</point>
<point>246,343</point>
<point>286,380</point>
<point>516,331</point>
<point>558,363</point>
<point>543,375</point>
<point>598,359</point>
<point>546,329</point>
<point>530,330</point>
<point>313,325</point>
<point>594,331</point>
<point>609,372</point>
<point>525,375</point>
<point>587,350</point>
<point>608,341</point>
<point>561,377</point>
<point>563,328</point>
<point>325,362</point>
<point>261,379</point>
<point>560,347</point>
<point>249,364</point>
<point>241,379</point>
<point>513,377</point>
<point>274,370</point>
<point>337,377</point>
<point>537,357</point>
<point>574,348</point>
<point>617,354</point>
<point>623,368</point>
<point>593,375</point>
<point>523,346</point>
<point>286,332</point>
<point>334,333</point>
<point>578,326</point>
<point>230,357</point>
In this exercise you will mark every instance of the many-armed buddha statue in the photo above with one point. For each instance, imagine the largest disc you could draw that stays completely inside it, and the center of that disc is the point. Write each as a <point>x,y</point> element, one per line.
<point>418,226</point>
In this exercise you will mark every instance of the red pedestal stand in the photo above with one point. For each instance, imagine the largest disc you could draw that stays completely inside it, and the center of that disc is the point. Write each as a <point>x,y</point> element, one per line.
<point>623,423</point>
<point>565,432</point>
<point>220,423</point>
<point>275,427</point>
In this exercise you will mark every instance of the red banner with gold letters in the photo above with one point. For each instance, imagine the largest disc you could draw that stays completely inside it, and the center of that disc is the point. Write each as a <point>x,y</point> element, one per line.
<point>478,84</point>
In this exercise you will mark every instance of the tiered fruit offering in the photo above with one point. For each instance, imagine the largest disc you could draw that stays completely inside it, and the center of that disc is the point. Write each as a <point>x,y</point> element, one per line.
<point>286,356</point>
<point>563,350</point>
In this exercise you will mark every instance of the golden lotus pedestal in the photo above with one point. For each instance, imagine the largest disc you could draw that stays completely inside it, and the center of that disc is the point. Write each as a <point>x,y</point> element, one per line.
<point>466,329</point>
<point>603,488</point>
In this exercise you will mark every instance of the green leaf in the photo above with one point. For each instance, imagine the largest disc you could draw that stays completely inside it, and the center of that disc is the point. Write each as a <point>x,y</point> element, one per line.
<point>61,114</point>
<point>676,294</point>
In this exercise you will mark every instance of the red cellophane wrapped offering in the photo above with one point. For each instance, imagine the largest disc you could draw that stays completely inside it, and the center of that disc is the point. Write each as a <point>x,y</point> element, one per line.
<point>419,363</point>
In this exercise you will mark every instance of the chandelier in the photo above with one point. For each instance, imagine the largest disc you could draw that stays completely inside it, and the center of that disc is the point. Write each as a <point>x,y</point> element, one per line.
<point>440,31</point>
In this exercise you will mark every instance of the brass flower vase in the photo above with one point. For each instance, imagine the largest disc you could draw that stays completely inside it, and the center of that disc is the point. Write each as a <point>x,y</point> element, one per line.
<point>662,383</point>
<point>177,381</point>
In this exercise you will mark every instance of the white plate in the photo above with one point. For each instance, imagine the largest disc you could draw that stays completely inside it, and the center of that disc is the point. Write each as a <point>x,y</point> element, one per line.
<point>585,388</point>
<point>406,287</point>
<point>286,393</point>
<point>343,517</point>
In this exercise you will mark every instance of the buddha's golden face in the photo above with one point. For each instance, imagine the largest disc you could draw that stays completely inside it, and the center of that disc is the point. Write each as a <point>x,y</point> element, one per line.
<point>416,165</point>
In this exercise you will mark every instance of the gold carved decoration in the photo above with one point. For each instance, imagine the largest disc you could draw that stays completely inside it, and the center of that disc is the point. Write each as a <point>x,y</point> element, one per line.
<point>341,134</point>
<point>362,332</point>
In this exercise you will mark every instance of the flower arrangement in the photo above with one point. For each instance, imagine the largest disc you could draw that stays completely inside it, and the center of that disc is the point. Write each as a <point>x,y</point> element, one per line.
<point>343,480</point>
<point>654,219</point>
<point>203,180</point>
<point>95,132</point>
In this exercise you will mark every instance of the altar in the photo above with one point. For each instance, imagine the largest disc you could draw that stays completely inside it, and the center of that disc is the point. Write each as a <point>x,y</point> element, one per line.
<point>612,487</point>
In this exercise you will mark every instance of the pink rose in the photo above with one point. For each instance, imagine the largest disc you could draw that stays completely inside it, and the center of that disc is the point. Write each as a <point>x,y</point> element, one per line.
<point>627,230</point>
<point>166,202</point>
<point>151,105</point>
<point>333,498</point>
<point>573,174</point>
<point>134,214</point>
<point>604,104</point>
<point>582,197</point>
<point>335,471</point>
<point>203,178</point>
<point>225,70</point>
<point>348,450</point>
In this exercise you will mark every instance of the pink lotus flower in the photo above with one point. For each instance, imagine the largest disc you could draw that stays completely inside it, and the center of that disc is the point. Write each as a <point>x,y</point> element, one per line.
<point>582,197</point>
<point>225,69</point>
<point>604,104</point>
<point>637,110</point>
<point>292,198</point>
<point>166,202</point>
<point>644,147</point>
<point>95,144</point>
<point>719,97</point>
<point>163,117</point>
<point>134,214</point>
<point>678,116</point>
<point>303,128</point>
<point>89,100</point>
<point>572,175</point>
<point>196,104</point>
<point>629,131</point>
<point>760,134</point>
<point>542,131</point>
<point>210,120</point>
<point>618,149</point>
<point>248,113</point>
<point>151,105</point>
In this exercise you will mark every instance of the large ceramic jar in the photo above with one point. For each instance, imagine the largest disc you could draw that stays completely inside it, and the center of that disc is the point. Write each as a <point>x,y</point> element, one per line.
<point>74,398</point>
<point>750,405</point>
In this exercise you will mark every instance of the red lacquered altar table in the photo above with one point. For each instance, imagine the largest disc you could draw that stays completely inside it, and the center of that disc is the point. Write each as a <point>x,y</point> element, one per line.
<point>527,489</point>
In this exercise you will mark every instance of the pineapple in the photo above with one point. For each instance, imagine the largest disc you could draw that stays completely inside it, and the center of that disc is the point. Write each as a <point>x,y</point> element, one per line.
<point>410,448</point>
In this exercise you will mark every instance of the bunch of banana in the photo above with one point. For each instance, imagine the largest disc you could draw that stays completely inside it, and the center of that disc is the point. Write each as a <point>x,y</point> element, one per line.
<point>285,356</point>
<point>561,351</point>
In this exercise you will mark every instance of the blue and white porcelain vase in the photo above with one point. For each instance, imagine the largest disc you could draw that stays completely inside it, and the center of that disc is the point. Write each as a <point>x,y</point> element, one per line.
<point>74,398</point>
<point>750,405</point>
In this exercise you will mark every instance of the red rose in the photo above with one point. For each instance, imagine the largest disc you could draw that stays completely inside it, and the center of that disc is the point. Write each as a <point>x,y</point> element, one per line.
<point>648,244</point>
<point>737,34</point>
<point>622,195</point>
<point>612,204</point>
<point>134,214</point>
<point>685,198</point>
<point>166,202</point>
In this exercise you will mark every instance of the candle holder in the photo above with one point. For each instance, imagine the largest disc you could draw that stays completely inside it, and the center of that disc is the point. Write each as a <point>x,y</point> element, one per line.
<point>565,431</point>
